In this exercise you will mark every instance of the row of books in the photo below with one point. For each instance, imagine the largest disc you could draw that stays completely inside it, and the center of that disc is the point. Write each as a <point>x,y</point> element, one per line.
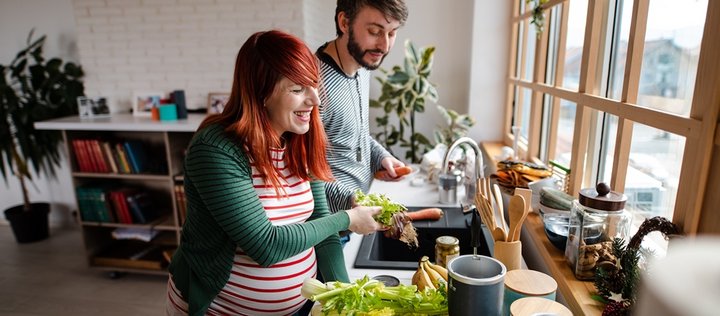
<point>93,155</point>
<point>125,206</point>
<point>179,189</point>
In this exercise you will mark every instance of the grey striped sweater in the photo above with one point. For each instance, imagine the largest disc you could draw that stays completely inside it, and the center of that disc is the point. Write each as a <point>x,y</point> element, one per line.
<point>354,156</point>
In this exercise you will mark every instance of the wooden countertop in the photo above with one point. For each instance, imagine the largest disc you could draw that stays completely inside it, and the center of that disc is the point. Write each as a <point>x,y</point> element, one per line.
<point>577,294</point>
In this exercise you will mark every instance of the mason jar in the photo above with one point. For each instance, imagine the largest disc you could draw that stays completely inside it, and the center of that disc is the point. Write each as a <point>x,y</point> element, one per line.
<point>597,217</point>
<point>446,248</point>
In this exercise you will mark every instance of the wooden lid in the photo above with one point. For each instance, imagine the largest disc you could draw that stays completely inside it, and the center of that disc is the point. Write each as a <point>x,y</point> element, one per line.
<point>530,282</point>
<point>528,306</point>
<point>602,198</point>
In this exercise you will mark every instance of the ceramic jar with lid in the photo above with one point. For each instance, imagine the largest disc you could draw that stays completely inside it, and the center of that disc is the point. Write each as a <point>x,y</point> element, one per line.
<point>597,217</point>
<point>522,283</point>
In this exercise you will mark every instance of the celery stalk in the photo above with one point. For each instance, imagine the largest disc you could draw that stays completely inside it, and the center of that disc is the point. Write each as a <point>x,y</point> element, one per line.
<point>371,297</point>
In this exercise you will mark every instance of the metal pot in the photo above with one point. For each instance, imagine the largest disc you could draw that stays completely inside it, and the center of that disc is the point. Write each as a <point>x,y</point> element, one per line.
<point>476,285</point>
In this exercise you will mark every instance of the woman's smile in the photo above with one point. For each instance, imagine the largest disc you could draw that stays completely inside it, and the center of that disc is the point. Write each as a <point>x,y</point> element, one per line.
<point>303,116</point>
<point>290,107</point>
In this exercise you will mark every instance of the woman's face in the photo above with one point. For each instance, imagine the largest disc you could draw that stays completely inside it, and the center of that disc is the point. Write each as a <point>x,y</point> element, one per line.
<point>289,107</point>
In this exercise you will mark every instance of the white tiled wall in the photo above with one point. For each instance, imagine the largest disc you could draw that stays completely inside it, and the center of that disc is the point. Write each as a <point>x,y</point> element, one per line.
<point>129,46</point>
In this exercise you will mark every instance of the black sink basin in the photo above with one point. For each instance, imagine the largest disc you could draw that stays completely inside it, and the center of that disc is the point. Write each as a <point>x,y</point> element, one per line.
<point>379,252</point>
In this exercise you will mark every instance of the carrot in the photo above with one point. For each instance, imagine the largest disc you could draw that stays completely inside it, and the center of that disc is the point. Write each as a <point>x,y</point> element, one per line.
<point>432,213</point>
<point>400,171</point>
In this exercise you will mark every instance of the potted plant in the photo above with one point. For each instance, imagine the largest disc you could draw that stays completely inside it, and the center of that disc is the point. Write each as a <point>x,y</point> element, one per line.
<point>33,89</point>
<point>405,90</point>
<point>457,126</point>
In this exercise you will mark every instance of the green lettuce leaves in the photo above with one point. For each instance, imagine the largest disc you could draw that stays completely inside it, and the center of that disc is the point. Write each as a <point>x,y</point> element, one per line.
<point>389,208</point>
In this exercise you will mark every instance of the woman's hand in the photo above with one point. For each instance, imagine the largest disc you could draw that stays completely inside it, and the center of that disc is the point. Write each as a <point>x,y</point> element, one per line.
<point>362,221</point>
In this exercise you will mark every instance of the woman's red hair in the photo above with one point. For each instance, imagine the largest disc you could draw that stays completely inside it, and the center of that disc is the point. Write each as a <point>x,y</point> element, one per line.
<point>264,59</point>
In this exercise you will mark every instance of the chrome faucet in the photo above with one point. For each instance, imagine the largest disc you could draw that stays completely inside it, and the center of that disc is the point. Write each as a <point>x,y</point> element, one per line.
<point>448,181</point>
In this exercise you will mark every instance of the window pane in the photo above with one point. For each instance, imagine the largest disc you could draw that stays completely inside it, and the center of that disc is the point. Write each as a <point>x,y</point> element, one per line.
<point>553,35</point>
<point>518,56</point>
<point>653,171</point>
<point>574,46</point>
<point>609,125</point>
<point>566,130</point>
<point>619,52</point>
<point>515,107</point>
<point>525,121</point>
<point>530,52</point>
<point>653,168</point>
<point>672,48</point>
<point>545,126</point>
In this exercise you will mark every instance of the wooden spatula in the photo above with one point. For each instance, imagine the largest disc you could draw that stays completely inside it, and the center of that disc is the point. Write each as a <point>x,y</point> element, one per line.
<point>517,212</point>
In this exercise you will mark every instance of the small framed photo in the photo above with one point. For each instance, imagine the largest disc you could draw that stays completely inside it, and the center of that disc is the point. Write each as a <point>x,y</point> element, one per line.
<point>216,102</point>
<point>143,102</point>
<point>93,107</point>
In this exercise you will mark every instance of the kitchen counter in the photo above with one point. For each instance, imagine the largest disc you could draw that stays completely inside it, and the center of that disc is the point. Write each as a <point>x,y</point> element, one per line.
<point>425,195</point>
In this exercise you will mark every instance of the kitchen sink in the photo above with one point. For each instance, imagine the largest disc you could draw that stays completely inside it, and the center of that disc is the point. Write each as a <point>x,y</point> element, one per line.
<point>379,252</point>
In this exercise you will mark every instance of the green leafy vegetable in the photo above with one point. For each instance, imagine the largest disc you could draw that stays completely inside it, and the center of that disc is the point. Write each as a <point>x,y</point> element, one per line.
<point>389,208</point>
<point>372,297</point>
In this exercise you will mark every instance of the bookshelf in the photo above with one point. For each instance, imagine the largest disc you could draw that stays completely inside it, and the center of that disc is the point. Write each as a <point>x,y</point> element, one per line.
<point>122,165</point>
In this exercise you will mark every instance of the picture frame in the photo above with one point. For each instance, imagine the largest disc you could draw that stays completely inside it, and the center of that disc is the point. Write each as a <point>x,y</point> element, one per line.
<point>143,102</point>
<point>92,107</point>
<point>216,102</point>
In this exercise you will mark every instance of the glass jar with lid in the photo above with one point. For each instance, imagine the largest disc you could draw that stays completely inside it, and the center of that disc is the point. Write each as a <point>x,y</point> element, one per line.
<point>597,217</point>
<point>446,248</point>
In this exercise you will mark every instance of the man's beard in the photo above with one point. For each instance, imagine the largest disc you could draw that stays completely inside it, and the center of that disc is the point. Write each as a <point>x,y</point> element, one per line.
<point>358,53</point>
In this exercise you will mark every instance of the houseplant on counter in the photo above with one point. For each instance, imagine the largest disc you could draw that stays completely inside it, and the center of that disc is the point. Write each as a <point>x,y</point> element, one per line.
<point>404,91</point>
<point>33,89</point>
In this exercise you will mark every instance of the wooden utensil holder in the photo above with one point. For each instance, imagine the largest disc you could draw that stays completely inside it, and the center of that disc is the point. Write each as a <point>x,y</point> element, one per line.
<point>509,253</point>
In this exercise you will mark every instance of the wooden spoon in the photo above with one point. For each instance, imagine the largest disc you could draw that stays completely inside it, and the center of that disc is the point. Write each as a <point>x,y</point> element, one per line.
<point>526,211</point>
<point>516,211</point>
<point>499,200</point>
<point>498,232</point>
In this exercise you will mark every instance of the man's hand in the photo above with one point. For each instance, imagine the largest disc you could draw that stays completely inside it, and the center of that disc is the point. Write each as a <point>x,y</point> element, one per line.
<point>389,164</point>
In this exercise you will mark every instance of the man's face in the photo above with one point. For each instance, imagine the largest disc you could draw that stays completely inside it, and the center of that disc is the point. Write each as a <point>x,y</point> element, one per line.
<point>370,37</point>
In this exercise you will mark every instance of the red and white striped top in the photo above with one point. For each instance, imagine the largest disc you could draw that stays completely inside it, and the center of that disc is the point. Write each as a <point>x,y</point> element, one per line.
<point>275,290</point>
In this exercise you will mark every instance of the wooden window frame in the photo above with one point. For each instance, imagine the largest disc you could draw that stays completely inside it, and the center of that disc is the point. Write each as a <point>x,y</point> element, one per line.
<point>700,128</point>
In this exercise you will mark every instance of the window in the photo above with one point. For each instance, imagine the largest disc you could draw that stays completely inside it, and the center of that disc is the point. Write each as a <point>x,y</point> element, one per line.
<point>574,40</point>
<point>630,84</point>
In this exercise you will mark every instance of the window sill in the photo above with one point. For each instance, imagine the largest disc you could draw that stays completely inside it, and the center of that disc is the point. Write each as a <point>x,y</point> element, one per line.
<point>576,293</point>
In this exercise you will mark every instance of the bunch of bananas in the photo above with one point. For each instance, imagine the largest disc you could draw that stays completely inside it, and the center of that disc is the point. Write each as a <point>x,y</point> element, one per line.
<point>517,174</point>
<point>429,275</point>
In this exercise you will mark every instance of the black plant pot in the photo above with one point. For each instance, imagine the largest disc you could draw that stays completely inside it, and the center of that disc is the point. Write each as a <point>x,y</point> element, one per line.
<point>29,226</point>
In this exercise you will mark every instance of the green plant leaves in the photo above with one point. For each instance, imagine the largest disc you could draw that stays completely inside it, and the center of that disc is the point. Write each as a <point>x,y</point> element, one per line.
<point>405,91</point>
<point>538,16</point>
<point>457,126</point>
<point>31,90</point>
<point>427,61</point>
<point>399,77</point>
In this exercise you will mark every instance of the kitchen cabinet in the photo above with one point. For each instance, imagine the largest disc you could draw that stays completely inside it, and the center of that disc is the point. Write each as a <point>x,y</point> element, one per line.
<point>127,172</point>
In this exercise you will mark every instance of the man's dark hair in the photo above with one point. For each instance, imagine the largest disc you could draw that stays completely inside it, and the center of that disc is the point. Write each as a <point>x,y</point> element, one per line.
<point>395,9</point>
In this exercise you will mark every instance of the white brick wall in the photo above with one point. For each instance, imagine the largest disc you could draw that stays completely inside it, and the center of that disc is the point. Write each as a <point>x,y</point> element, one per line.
<point>319,23</point>
<point>129,46</point>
